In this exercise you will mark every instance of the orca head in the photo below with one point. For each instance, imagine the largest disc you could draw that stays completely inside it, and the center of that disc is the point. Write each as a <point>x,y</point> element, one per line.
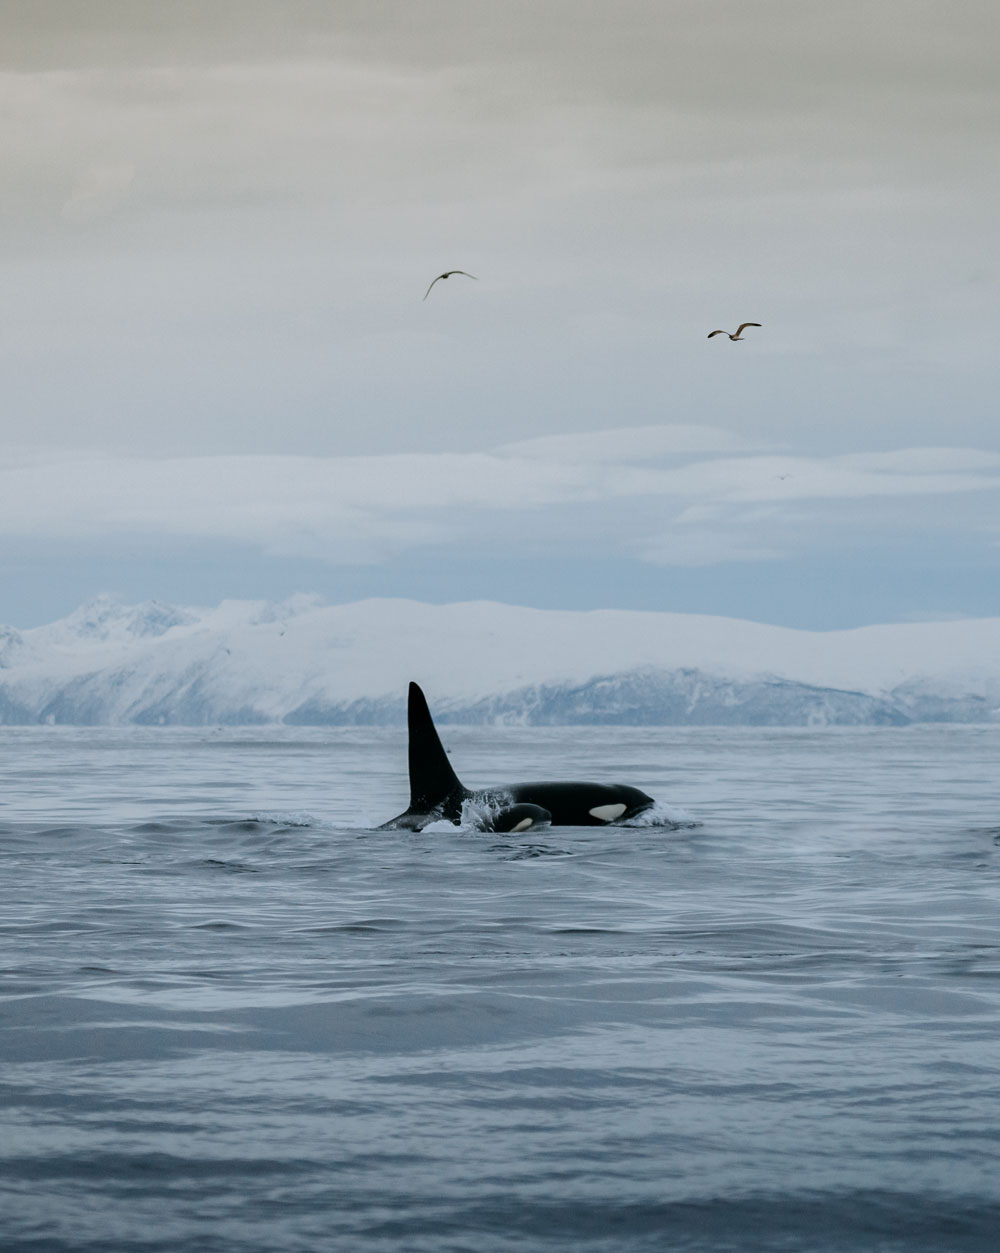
<point>583,804</point>
<point>517,818</point>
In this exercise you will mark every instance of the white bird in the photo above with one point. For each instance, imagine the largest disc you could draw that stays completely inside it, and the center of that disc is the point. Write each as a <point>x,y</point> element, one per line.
<point>448,274</point>
<point>739,331</point>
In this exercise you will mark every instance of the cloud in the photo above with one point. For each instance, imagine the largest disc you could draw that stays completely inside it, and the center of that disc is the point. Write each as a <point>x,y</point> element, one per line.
<point>219,221</point>
<point>922,461</point>
<point>625,444</point>
<point>837,478</point>
<point>97,192</point>
<point>604,489</point>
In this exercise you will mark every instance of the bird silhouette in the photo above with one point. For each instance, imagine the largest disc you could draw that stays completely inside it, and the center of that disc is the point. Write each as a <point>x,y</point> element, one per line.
<point>448,274</point>
<point>739,330</point>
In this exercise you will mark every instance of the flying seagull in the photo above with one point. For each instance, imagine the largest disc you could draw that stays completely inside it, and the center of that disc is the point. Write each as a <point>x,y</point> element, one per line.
<point>447,274</point>
<point>739,330</point>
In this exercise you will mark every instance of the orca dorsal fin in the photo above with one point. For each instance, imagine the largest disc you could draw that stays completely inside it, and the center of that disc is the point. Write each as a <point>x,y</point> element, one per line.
<point>433,783</point>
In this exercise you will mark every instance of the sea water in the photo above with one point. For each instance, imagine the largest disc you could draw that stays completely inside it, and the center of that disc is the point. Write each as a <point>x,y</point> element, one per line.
<point>237,1018</point>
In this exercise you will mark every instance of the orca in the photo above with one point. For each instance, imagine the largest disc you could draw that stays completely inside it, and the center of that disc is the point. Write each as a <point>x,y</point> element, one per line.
<point>436,793</point>
<point>514,818</point>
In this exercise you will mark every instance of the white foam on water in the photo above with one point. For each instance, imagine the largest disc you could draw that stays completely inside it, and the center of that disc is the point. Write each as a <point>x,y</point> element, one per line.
<point>299,819</point>
<point>661,815</point>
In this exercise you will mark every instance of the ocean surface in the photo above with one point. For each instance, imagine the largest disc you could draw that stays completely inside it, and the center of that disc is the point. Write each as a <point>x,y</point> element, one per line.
<point>235,1018</point>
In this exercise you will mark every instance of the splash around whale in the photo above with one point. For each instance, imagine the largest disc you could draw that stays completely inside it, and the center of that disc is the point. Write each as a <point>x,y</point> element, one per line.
<point>436,793</point>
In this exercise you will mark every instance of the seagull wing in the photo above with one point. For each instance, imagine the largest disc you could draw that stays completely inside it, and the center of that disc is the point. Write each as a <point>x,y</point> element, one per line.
<point>711,333</point>
<point>744,325</point>
<point>448,274</point>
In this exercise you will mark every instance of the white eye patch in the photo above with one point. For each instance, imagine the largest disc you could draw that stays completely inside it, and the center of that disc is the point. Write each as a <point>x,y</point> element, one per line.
<point>607,813</point>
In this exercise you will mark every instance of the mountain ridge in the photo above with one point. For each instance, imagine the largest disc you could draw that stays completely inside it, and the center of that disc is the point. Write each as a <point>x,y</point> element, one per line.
<point>305,663</point>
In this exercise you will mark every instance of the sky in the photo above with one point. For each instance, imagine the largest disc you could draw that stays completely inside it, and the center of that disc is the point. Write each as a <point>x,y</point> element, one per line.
<point>220,378</point>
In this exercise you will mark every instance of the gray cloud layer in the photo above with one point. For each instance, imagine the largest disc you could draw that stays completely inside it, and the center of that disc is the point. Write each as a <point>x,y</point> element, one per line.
<point>219,221</point>
<point>635,492</point>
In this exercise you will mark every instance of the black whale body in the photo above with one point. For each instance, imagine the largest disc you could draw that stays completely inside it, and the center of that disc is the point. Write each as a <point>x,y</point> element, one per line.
<point>436,793</point>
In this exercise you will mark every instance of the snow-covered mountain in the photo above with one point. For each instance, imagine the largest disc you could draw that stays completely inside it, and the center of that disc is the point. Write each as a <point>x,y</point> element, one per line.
<point>301,662</point>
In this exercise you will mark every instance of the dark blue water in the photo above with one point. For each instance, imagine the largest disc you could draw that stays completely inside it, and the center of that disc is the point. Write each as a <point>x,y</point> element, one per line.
<point>235,1018</point>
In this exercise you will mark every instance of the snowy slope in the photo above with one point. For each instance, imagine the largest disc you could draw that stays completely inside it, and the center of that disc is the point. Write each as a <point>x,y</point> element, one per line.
<point>301,662</point>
